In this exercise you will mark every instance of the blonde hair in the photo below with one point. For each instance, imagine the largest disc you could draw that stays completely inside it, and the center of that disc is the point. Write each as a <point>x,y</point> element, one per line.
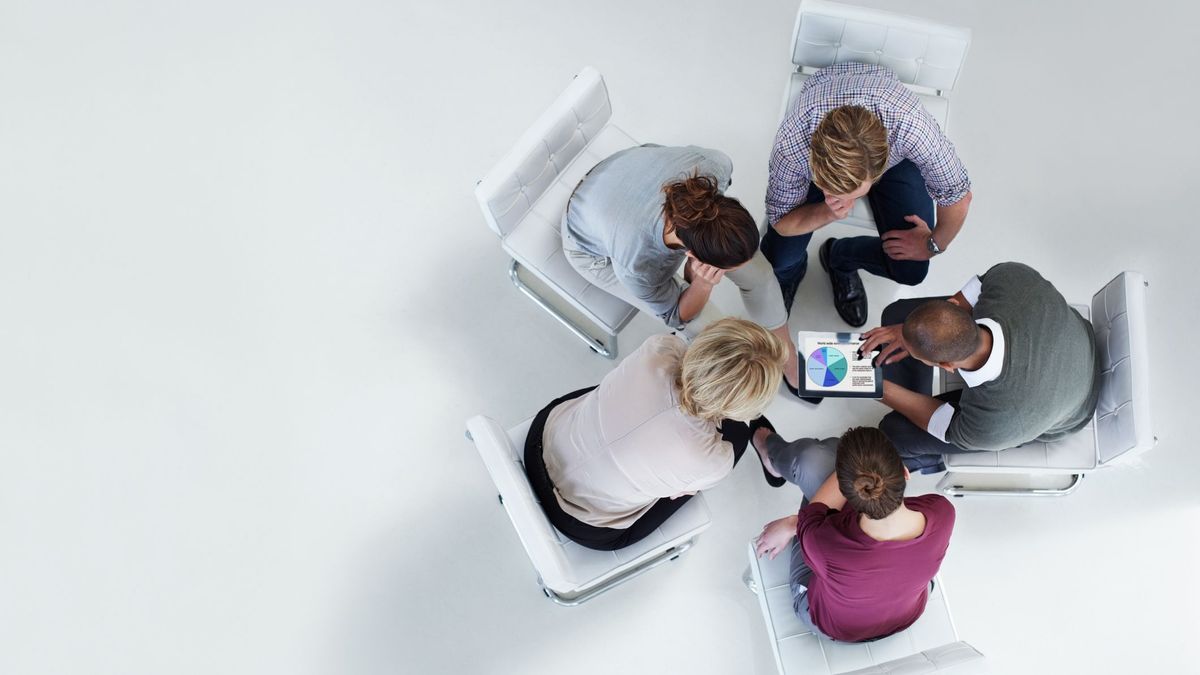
<point>730,371</point>
<point>849,148</point>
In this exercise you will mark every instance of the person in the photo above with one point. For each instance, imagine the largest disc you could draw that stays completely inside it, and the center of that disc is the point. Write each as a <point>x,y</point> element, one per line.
<point>865,554</point>
<point>854,132</point>
<point>641,213</point>
<point>610,464</point>
<point>1028,359</point>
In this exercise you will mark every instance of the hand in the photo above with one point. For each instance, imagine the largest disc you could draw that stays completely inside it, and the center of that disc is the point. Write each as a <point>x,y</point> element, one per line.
<point>908,244</point>
<point>703,274</point>
<point>889,340</point>
<point>775,537</point>
<point>840,207</point>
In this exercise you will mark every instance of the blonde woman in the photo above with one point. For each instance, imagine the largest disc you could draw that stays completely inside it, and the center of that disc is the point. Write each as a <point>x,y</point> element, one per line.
<point>611,463</point>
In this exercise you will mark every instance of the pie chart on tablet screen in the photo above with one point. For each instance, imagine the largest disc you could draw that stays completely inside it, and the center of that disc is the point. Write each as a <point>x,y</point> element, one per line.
<point>827,367</point>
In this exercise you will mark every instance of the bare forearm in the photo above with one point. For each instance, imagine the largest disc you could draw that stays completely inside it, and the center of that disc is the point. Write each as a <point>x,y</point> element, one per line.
<point>829,493</point>
<point>917,408</point>
<point>804,219</point>
<point>693,299</point>
<point>950,220</point>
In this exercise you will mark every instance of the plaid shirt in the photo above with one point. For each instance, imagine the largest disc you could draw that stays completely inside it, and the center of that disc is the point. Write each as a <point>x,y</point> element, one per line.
<point>913,134</point>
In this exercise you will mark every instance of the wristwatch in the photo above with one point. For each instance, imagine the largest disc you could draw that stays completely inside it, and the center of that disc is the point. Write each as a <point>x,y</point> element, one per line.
<point>934,249</point>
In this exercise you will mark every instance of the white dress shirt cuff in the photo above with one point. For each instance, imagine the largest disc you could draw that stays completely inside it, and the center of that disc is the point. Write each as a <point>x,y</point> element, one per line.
<point>972,289</point>
<point>939,422</point>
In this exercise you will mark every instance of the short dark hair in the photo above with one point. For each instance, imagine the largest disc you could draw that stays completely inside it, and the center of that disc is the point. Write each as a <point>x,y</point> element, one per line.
<point>717,229</point>
<point>870,474</point>
<point>941,332</point>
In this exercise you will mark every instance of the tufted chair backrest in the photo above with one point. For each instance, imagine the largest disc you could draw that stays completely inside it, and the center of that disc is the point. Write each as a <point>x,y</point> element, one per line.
<point>1123,411</point>
<point>555,139</point>
<point>921,53</point>
<point>504,463</point>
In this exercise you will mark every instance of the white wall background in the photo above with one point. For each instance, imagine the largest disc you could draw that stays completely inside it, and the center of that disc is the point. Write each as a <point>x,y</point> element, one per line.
<point>247,302</point>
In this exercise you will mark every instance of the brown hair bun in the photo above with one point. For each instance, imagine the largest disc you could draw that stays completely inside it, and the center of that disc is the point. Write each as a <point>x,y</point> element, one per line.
<point>717,229</point>
<point>868,485</point>
<point>870,474</point>
<point>691,201</point>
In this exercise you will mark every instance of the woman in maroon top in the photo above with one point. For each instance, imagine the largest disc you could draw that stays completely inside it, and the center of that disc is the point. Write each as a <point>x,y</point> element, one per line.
<point>866,554</point>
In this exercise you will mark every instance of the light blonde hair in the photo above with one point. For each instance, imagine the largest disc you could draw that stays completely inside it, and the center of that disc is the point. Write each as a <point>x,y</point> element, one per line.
<point>730,371</point>
<point>849,148</point>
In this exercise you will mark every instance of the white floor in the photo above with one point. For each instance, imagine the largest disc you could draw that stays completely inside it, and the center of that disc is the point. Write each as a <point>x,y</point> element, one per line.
<point>247,302</point>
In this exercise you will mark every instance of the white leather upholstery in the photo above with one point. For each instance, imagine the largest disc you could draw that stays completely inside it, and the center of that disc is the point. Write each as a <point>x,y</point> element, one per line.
<point>1121,426</point>
<point>564,566</point>
<point>524,196</point>
<point>920,52</point>
<point>929,644</point>
<point>925,55</point>
<point>937,106</point>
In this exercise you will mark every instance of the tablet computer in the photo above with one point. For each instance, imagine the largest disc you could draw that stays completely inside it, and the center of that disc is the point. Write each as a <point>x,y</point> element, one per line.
<point>830,367</point>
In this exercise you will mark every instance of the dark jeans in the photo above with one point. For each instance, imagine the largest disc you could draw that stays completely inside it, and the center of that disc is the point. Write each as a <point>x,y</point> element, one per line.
<point>920,450</point>
<point>899,192</point>
<point>606,538</point>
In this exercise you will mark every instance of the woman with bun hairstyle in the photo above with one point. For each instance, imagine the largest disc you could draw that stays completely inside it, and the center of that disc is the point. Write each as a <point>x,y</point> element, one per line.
<point>611,463</point>
<point>640,214</point>
<point>865,554</point>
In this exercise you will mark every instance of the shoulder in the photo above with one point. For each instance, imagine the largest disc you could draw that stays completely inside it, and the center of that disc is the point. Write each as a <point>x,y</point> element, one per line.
<point>711,155</point>
<point>932,503</point>
<point>657,353</point>
<point>1010,271</point>
<point>812,515</point>
<point>667,347</point>
<point>939,513</point>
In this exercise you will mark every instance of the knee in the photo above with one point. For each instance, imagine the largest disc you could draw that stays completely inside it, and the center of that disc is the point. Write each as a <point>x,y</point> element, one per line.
<point>788,266</point>
<point>816,464</point>
<point>785,252</point>
<point>893,426</point>
<point>910,273</point>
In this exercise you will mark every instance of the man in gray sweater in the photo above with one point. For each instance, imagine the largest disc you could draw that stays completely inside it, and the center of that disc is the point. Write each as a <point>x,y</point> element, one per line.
<point>1028,359</point>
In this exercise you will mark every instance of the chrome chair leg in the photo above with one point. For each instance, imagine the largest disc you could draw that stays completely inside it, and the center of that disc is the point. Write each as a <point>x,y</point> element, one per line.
<point>580,598</point>
<point>949,488</point>
<point>608,351</point>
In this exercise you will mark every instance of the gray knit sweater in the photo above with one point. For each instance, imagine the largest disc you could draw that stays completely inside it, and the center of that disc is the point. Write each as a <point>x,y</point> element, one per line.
<point>1050,380</point>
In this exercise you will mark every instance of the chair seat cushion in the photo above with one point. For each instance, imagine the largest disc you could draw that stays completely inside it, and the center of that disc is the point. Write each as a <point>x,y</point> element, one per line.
<point>1076,452</point>
<point>588,567</point>
<point>536,242</point>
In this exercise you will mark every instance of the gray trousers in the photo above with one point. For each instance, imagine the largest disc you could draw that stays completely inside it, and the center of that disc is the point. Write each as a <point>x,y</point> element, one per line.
<point>806,463</point>
<point>756,280</point>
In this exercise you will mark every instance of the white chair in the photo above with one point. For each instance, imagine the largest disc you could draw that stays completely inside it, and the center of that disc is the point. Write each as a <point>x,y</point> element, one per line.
<point>524,196</point>
<point>926,56</point>
<point>568,573</point>
<point>931,644</point>
<point>1119,431</point>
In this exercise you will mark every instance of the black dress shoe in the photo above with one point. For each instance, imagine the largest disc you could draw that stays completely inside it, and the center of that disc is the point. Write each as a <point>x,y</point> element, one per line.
<point>755,425</point>
<point>849,296</point>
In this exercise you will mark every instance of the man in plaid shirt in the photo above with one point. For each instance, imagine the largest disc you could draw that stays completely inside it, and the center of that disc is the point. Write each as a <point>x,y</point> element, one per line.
<point>856,131</point>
